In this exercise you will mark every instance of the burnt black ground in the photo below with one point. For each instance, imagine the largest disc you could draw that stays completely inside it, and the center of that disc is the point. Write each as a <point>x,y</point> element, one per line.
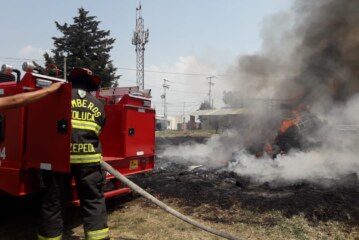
<point>224,191</point>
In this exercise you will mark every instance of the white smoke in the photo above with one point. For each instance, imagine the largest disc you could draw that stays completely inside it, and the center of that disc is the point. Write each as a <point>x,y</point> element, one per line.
<point>215,153</point>
<point>313,166</point>
<point>335,157</point>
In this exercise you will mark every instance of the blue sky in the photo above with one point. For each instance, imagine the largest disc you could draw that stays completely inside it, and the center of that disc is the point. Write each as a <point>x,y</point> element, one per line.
<point>189,39</point>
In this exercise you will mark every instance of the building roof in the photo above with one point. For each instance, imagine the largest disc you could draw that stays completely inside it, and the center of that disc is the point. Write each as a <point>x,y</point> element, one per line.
<point>221,112</point>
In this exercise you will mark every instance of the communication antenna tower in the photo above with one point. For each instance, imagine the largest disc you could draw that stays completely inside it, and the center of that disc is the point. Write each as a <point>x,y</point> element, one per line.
<point>140,38</point>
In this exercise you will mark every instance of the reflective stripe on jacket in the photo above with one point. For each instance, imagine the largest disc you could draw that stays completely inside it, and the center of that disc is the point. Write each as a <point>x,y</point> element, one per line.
<point>88,118</point>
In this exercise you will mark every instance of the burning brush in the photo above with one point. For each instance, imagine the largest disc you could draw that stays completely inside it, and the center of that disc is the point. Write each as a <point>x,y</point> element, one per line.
<point>297,129</point>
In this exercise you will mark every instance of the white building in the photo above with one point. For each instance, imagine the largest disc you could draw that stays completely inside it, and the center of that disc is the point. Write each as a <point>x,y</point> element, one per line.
<point>173,123</point>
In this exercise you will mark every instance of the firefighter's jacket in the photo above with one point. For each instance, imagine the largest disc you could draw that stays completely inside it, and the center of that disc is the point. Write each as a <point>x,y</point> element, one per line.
<point>88,118</point>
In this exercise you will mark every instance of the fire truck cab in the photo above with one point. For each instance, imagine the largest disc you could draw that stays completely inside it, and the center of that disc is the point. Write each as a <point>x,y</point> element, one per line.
<point>37,137</point>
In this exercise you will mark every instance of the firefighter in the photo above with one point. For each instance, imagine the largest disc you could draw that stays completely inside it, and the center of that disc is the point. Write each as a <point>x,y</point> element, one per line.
<point>88,118</point>
<point>24,99</point>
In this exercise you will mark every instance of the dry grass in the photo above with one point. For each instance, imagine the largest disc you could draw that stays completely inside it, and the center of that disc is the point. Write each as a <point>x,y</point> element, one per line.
<point>139,220</point>
<point>152,223</point>
<point>186,133</point>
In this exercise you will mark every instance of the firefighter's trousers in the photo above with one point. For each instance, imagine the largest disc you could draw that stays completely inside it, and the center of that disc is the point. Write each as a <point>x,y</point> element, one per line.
<point>89,179</point>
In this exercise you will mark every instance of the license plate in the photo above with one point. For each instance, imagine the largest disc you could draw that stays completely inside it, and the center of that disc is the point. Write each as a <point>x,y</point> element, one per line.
<point>133,164</point>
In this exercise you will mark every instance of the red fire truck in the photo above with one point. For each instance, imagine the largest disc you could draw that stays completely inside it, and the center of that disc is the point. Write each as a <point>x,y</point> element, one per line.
<point>37,137</point>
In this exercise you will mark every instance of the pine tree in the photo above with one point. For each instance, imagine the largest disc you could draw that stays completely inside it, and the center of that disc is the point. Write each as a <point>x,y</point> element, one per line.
<point>86,46</point>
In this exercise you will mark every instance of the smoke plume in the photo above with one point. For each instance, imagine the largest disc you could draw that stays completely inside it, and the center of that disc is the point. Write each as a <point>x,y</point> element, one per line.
<point>311,55</point>
<point>309,58</point>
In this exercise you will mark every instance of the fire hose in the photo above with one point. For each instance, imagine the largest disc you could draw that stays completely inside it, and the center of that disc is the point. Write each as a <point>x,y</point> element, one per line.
<point>162,205</point>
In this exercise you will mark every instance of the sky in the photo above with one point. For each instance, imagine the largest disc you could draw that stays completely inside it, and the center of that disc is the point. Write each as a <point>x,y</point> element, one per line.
<point>189,40</point>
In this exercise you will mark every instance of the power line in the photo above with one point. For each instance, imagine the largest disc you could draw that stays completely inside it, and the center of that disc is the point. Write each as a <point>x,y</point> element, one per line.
<point>179,103</point>
<point>183,83</point>
<point>122,68</point>
<point>165,72</point>
<point>20,59</point>
<point>179,107</point>
<point>173,73</point>
<point>184,91</point>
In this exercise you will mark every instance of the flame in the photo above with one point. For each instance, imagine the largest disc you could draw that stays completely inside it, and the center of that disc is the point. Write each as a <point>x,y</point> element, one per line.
<point>293,120</point>
<point>287,123</point>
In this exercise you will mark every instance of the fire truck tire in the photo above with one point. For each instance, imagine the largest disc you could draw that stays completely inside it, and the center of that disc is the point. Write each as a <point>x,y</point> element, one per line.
<point>168,209</point>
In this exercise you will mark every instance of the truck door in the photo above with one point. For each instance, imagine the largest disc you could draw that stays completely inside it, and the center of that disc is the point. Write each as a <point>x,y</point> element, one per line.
<point>139,129</point>
<point>48,132</point>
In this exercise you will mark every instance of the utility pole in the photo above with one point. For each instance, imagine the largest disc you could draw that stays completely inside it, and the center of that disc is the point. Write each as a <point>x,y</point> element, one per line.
<point>65,68</point>
<point>183,116</point>
<point>140,38</point>
<point>165,86</point>
<point>210,83</point>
